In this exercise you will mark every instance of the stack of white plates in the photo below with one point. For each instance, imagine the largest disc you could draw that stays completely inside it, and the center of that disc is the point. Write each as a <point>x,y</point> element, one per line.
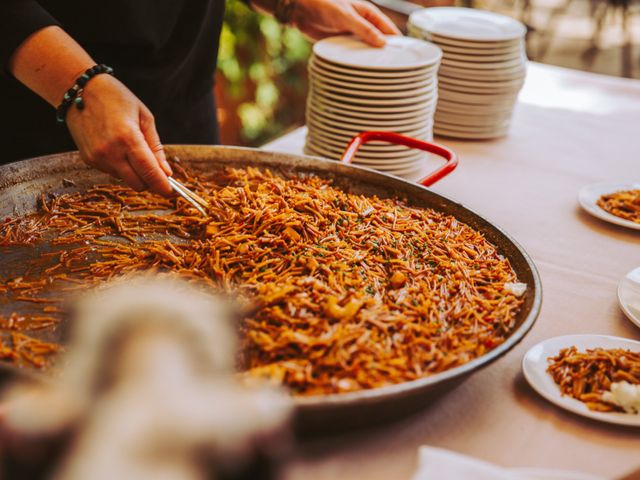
<point>483,68</point>
<point>355,88</point>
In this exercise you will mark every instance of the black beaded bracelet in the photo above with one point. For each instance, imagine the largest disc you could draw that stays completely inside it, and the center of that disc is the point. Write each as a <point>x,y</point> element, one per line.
<point>74,94</point>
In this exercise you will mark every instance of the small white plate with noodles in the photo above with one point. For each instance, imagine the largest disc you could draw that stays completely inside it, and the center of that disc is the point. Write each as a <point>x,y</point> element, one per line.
<point>629,295</point>
<point>536,362</point>
<point>589,199</point>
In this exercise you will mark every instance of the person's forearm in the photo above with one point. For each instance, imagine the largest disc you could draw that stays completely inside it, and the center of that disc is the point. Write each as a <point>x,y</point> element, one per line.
<point>263,6</point>
<point>48,62</point>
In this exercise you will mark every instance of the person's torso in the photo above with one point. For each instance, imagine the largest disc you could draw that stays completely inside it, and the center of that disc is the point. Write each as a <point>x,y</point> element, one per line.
<point>165,51</point>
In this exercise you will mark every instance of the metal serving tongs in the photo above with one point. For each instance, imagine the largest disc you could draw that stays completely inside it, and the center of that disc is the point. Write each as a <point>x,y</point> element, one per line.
<point>193,198</point>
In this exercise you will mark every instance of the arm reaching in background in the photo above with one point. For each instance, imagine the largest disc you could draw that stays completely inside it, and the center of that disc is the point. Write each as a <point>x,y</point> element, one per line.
<point>323,18</point>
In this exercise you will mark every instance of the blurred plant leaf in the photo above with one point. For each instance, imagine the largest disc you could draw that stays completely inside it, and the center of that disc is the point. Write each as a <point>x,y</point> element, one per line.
<point>260,61</point>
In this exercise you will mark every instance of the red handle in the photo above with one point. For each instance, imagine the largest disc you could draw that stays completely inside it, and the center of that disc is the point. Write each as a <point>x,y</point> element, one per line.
<point>448,154</point>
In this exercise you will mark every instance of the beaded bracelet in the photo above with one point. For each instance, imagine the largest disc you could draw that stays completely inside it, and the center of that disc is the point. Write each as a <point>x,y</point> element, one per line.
<point>74,94</point>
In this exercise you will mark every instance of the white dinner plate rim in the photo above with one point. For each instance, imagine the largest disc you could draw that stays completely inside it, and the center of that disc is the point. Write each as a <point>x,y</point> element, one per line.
<point>364,87</point>
<point>373,121</point>
<point>381,155</point>
<point>357,79</point>
<point>514,72</point>
<point>491,66</point>
<point>427,21</point>
<point>475,50</point>
<point>469,135</point>
<point>360,101</point>
<point>365,158</point>
<point>479,81</point>
<point>377,109</point>
<point>372,75</point>
<point>369,147</point>
<point>350,133</point>
<point>338,50</point>
<point>482,58</point>
<point>407,127</point>
<point>429,90</point>
<point>379,118</point>
<point>622,302</point>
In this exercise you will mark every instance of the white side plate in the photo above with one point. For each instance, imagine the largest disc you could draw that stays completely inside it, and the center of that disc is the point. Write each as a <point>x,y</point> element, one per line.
<point>629,295</point>
<point>589,195</point>
<point>400,53</point>
<point>468,24</point>
<point>534,366</point>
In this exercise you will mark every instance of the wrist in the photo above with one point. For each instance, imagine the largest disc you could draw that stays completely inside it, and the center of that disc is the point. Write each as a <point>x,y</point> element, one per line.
<point>74,96</point>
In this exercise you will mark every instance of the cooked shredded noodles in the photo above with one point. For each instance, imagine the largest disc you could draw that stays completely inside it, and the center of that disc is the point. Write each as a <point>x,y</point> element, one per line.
<point>585,376</point>
<point>625,204</point>
<point>348,292</point>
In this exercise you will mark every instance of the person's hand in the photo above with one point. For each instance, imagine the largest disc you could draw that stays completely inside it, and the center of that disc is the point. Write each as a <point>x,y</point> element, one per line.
<point>116,134</point>
<point>323,18</point>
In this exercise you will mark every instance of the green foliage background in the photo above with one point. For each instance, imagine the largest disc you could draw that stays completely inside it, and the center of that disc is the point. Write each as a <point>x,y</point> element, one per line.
<point>263,66</point>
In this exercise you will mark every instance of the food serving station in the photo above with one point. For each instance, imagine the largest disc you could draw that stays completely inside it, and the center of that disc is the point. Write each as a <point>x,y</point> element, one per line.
<point>569,129</point>
<point>448,339</point>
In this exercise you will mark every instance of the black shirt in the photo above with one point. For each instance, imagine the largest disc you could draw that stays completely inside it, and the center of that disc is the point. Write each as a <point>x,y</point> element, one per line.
<point>163,50</point>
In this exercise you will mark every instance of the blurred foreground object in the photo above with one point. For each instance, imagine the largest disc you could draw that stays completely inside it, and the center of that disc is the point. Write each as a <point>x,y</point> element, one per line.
<point>147,391</point>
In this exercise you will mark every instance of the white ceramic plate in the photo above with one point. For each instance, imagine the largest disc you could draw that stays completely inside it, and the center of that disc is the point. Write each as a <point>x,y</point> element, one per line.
<point>544,474</point>
<point>361,125</point>
<point>374,153</point>
<point>428,89</point>
<point>317,68</point>
<point>458,106</point>
<point>399,53</point>
<point>390,165</point>
<point>442,39</point>
<point>481,129</point>
<point>479,98</point>
<point>483,58</point>
<point>377,109</point>
<point>534,366</point>
<point>371,87</point>
<point>413,167</point>
<point>510,74</point>
<point>468,24</point>
<point>346,125</point>
<point>472,66</point>
<point>373,121</point>
<point>365,156</point>
<point>338,109</point>
<point>394,75</point>
<point>589,195</point>
<point>629,295</point>
<point>448,45</point>
<point>479,89</point>
<point>368,101</point>
<point>428,83</point>
<point>481,82</point>
<point>472,123</point>
<point>469,135</point>
<point>480,50</point>
<point>349,132</point>
<point>321,137</point>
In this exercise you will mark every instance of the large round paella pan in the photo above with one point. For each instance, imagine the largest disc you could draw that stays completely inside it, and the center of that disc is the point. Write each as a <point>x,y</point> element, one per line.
<point>22,185</point>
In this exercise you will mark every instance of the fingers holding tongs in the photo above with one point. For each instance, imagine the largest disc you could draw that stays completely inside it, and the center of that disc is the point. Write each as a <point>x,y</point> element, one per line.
<point>193,198</point>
